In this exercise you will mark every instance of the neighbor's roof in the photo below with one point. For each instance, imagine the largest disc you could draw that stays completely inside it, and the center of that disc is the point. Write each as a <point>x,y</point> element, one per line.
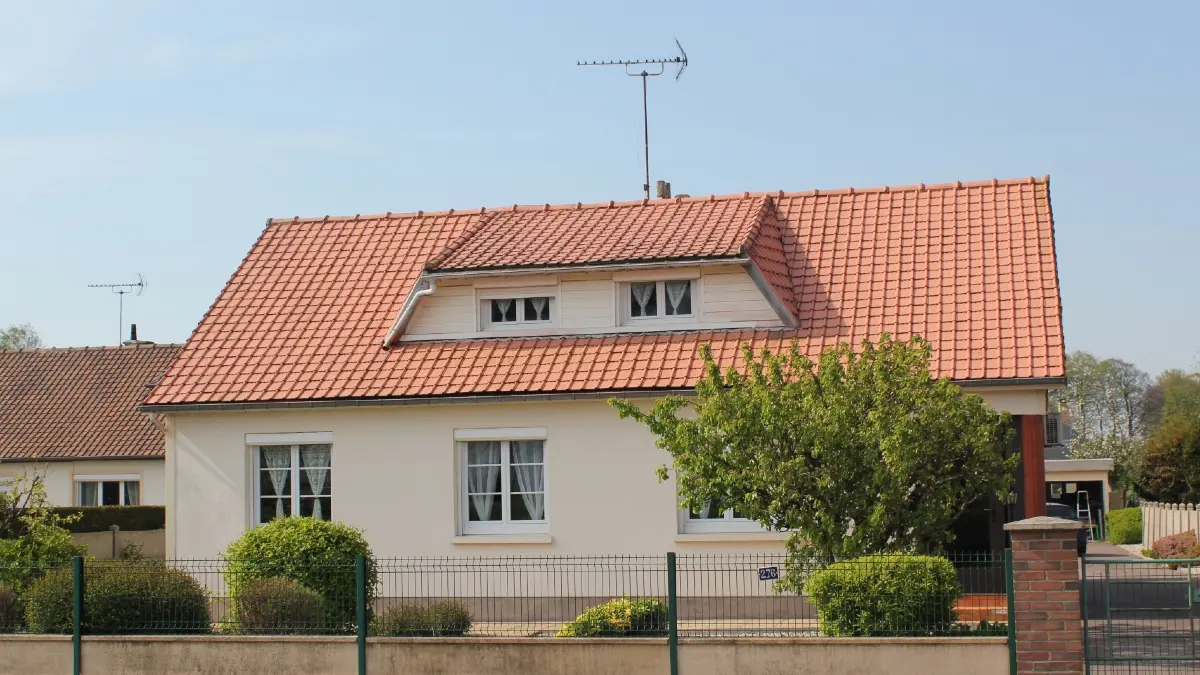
<point>79,403</point>
<point>968,266</point>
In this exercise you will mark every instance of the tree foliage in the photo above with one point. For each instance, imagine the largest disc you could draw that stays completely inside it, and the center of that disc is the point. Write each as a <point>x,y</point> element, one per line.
<point>861,453</point>
<point>33,537</point>
<point>1170,469</point>
<point>19,336</point>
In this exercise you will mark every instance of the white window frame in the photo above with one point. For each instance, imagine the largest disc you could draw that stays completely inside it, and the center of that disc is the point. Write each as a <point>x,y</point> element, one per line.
<point>725,524</point>
<point>468,527</point>
<point>483,304</point>
<point>624,289</point>
<point>255,442</point>
<point>119,478</point>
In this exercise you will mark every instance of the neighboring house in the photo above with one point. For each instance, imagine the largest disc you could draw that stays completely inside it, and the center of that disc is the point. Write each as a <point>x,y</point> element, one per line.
<point>71,417</point>
<point>1069,480</point>
<point>440,379</point>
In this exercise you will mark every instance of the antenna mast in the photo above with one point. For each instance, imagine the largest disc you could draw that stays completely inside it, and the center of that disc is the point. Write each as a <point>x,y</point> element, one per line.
<point>631,68</point>
<point>137,288</point>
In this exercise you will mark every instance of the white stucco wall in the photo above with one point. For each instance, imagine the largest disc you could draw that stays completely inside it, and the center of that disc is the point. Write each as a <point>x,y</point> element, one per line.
<point>60,484</point>
<point>394,474</point>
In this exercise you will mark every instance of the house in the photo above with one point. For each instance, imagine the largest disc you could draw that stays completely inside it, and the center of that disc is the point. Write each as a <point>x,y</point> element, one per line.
<point>70,416</point>
<point>440,379</point>
<point>1076,482</point>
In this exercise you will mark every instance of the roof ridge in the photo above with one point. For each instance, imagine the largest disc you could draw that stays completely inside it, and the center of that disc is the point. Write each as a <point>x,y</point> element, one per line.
<point>461,240</point>
<point>522,208</point>
<point>92,348</point>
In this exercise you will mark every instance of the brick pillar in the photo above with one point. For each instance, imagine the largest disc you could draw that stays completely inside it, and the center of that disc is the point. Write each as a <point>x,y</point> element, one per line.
<point>1046,601</point>
<point>1033,461</point>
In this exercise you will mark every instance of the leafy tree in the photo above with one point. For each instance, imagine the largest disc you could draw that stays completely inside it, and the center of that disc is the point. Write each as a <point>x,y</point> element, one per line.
<point>33,538</point>
<point>863,453</point>
<point>1170,470</point>
<point>19,336</point>
<point>1174,394</point>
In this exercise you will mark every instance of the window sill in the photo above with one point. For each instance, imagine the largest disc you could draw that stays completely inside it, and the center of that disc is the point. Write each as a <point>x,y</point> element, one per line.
<point>702,537</point>
<point>473,539</point>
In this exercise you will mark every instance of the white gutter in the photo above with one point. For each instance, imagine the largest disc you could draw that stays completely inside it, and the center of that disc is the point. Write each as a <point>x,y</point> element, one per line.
<point>424,286</point>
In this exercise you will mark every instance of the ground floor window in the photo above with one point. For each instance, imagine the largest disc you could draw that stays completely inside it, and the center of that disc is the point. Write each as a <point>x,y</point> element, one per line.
<point>714,517</point>
<point>503,486</point>
<point>108,490</point>
<point>293,479</point>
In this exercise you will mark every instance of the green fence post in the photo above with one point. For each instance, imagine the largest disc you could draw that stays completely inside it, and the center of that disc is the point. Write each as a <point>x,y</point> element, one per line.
<point>672,615</point>
<point>77,619</point>
<point>360,574</point>
<point>1012,611</point>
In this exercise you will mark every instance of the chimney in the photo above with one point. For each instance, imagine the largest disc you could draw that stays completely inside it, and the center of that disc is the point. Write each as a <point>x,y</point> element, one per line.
<point>133,338</point>
<point>663,189</point>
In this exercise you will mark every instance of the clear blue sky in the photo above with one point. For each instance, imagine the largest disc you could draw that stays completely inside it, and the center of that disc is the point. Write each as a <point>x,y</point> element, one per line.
<point>158,137</point>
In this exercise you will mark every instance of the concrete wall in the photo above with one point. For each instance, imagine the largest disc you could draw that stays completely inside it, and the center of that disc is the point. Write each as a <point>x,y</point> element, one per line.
<point>60,484</point>
<point>101,545</point>
<point>51,655</point>
<point>394,474</point>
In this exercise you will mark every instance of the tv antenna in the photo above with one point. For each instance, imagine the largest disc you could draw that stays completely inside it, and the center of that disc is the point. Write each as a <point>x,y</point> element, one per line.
<point>646,71</point>
<point>137,288</point>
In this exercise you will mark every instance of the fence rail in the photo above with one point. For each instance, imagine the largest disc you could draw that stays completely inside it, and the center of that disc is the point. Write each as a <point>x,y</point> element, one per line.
<point>536,596</point>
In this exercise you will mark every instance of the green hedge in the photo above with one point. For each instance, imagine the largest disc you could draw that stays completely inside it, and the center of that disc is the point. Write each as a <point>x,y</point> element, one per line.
<point>318,554</point>
<point>886,595</point>
<point>279,607</point>
<point>437,619</point>
<point>119,599</point>
<point>620,617</point>
<point>1125,526</point>
<point>128,518</point>
<point>11,610</point>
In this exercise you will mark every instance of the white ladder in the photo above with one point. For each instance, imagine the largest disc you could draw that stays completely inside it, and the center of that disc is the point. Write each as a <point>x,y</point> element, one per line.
<point>1083,511</point>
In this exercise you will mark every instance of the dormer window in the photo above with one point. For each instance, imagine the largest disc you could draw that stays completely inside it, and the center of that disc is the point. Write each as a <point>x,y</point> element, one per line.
<point>659,300</point>
<point>516,311</point>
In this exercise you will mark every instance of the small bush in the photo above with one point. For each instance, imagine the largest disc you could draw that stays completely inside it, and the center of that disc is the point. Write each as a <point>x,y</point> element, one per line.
<point>11,610</point>
<point>1125,526</point>
<point>318,554</point>
<point>620,617</point>
<point>1175,545</point>
<point>442,618</point>
<point>885,595</point>
<point>101,518</point>
<point>141,599</point>
<point>278,606</point>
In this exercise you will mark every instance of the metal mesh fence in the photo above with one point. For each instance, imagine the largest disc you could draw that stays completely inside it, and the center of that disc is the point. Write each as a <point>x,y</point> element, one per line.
<point>742,595</point>
<point>1142,616</point>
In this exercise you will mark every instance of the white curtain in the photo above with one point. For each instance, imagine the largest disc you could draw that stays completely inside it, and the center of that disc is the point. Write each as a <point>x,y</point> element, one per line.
<point>278,459</point>
<point>538,305</point>
<point>87,493</point>
<point>708,506</point>
<point>315,460</point>
<point>132,493</point>
<point>641,296</point>
<point>503,306</point>
<point>528,467</point>
<point>676,292</point>
<point>482,479</point>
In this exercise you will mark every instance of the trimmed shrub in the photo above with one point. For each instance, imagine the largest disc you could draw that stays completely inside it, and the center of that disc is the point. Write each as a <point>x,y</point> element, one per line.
<point>1175,545</point>
<point>318,554</point>
<point>1124,526</point>
<point>620,617</point>
<point>101,518</point>
<point>278,606</point>
<point>11,610</point>
<point>120,599</point>
<point>438,619</point>
<point>885,595</point>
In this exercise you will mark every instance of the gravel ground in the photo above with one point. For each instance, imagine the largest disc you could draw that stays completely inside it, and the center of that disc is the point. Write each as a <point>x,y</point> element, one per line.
<point>1134,549</point>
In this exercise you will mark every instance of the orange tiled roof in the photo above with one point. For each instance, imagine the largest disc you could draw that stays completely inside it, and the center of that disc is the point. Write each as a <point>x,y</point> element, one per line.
<point>79,403</point>
<point>969,266</point>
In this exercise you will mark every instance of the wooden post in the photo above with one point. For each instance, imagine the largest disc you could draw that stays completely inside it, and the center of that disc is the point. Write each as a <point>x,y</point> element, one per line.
<point>1033,459</point>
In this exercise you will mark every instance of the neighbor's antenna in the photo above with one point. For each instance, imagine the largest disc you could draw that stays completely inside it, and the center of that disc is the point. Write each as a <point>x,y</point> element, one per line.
<point>136,288</point>
<point>680,61</point>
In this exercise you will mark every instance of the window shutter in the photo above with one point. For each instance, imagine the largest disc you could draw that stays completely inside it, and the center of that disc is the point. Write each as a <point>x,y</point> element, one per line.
<point>1052,437</point>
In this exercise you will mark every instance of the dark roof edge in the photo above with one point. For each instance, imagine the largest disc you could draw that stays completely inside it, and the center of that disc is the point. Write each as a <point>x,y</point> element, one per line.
<point>730,259</point>
<point>506,398</point>
<point>82,458</point>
